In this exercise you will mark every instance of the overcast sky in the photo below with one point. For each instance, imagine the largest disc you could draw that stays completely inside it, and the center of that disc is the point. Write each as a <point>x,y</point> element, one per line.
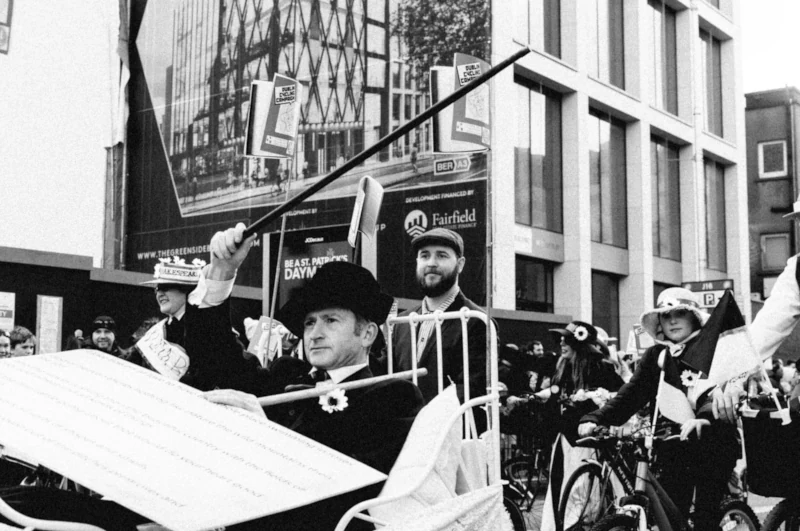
<point>770,44</point>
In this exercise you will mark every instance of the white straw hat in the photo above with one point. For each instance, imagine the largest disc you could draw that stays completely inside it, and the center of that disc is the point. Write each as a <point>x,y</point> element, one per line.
<point>672,299</point>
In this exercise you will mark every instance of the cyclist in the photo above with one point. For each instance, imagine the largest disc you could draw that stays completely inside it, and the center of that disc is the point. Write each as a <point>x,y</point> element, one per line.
<point>583,379</point>
<point>702,464</point>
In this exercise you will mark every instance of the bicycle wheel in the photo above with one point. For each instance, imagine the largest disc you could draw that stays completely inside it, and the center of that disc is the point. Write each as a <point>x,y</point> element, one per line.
<point>616,522</point>
<point>783,517</point>
<point>527,480</point>
<point>517,520</point>
<point>586,498</point>
<point>736,515</point>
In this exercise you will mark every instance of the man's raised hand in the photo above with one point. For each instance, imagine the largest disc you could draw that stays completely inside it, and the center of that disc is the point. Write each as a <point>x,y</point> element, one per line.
<point>228,251</point>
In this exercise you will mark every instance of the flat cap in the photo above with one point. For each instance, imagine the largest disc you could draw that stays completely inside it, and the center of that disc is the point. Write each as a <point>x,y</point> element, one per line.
<point>439,236</point>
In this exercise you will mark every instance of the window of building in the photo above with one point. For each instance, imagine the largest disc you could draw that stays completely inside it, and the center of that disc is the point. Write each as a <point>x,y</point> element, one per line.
<point>712,76</point>
<point>607,35</point>
<point>714,3</point>
<point>775,251</point>
<point>534,284</point>
<point>666,198</point>
<point>396,75</point>
<point>396,106</point>
<point>664,75</point>
<point>408,112</point>
<point>605,302</point>
<point>716,248</point>
<point>608,180</point>
<point>772,159</point>
<point>543,25</point>
<point>537,157</point>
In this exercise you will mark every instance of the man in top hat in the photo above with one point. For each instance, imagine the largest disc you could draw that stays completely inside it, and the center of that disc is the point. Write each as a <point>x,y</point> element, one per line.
<point>195,342</point>
<point>337,314</point>
<point>770,327</point>
<point>440,259</point>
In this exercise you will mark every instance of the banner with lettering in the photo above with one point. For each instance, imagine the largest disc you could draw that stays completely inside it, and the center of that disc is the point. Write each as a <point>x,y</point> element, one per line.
<point>274,117</point>
<point>471,114</point>
<point>304,252</point>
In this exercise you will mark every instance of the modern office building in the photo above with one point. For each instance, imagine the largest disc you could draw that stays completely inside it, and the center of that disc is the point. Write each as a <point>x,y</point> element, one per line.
<point>621,149</point>
<point>772,145</point>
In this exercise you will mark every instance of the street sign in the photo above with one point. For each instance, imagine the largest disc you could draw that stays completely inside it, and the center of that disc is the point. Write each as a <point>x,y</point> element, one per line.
<point>709,291</point>
<point>451,165</point>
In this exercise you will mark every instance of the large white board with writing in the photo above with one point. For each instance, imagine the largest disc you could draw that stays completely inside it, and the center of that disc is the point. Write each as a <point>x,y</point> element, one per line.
<point>160,449</point>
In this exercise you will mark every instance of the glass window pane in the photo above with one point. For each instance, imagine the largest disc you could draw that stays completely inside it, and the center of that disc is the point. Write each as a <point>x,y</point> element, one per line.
<point>666,199</point>
<point>538,176</point>
<point>775,251</point>
<point>534,285</point>
<point>605,302</point>
<point>716,249</point>
<point>608,182</point>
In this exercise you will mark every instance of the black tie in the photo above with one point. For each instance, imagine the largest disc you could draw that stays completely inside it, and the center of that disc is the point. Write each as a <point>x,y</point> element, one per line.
<point>320,376</point>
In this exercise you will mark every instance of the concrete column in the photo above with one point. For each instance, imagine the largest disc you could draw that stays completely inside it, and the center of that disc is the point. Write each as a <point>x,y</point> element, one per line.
<point>636,290</point>
<point>573,279</point>
<point>505,109</point>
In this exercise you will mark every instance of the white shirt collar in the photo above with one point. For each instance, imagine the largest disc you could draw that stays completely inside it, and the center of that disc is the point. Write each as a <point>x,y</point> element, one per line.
<point>177,315</point>
<point>342,373</point>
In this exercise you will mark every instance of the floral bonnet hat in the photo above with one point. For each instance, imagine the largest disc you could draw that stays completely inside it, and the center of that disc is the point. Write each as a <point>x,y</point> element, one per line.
<point>668,300</point>
<point>578,333</point>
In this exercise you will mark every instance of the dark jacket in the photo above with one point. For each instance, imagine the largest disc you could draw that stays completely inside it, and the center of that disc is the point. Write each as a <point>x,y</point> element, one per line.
<point>371,429</point>
<point>600,375</point>
<point>642,388</point>
<point>452,354</point>
<point>216,356</point>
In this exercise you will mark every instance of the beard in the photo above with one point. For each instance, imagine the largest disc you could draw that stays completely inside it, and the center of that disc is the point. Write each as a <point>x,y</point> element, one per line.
<point>438,287</point>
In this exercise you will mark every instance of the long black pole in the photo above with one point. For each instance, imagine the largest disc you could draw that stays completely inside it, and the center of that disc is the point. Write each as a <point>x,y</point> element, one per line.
<point>385,141</point>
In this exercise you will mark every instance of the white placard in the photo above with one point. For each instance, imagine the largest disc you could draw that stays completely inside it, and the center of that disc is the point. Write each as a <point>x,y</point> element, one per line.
<point>158,448</point>
<point>8,308</point>
<point>48,323</point>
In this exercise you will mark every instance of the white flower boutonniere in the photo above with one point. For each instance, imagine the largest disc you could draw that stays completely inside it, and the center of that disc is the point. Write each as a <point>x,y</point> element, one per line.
<point>689,378</point>
<point>581,333</point>
<point>334,400</point>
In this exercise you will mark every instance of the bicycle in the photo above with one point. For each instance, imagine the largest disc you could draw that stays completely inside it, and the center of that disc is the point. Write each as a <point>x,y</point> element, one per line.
<point>526,462</point>
<point>618,492</point>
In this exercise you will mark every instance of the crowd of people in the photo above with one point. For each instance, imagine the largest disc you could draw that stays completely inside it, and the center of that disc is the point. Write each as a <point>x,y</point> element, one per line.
<point>340,316</point>
<point>335,332</point>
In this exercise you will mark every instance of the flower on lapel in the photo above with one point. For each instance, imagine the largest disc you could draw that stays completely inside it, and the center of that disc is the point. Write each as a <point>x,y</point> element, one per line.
<point>689,378</point>
<point>581,333</point>
<point>333,400</point>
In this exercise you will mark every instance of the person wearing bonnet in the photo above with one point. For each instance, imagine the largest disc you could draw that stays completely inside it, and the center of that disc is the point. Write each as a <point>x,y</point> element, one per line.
<point>701,464</point>
<point>584,379</point>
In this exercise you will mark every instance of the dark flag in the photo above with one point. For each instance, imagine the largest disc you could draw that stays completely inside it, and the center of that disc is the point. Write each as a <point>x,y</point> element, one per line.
<point>726,316</point>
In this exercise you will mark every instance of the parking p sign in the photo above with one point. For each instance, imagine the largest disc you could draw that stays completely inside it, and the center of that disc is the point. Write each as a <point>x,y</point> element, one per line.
<point>709,291</point>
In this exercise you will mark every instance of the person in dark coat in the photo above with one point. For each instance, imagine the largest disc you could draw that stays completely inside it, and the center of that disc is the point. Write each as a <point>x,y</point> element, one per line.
<point>440,259</point>
<point>582,381</point>
<point>702,465</point>
<point>196,344</point>
<point>338,314</point>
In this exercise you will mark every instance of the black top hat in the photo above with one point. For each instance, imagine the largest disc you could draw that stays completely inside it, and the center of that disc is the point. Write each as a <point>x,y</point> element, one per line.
<point>337,285</point>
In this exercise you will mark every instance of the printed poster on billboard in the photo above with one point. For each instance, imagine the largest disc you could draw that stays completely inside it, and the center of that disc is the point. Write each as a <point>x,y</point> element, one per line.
<point>193,64</point>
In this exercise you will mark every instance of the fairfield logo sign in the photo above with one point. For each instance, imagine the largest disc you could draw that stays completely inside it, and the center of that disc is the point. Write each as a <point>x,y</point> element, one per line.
<point>416,221</point>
